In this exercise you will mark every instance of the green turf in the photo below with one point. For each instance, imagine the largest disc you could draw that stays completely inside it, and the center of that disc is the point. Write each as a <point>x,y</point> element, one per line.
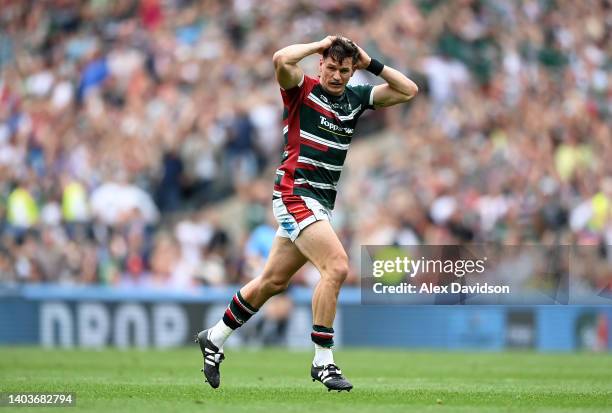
<point>278,381</point>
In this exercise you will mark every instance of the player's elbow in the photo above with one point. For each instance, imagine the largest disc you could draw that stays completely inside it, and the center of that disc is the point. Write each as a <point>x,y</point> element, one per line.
<point>411,91</point>
<point>414,90</point>
<point>278,59</point>
<point>401,94</point>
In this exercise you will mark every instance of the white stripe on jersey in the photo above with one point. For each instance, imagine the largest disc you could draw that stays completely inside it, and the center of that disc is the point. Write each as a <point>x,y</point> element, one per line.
<point>286,129</point>
<point>319,185</point>
<point>320,164</point>
<point>322,141</point>
<point>328,108</point>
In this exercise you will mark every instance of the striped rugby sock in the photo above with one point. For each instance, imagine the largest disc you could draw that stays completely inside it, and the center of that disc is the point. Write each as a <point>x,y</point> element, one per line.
<point>237,313</point>
<point>323,336</point>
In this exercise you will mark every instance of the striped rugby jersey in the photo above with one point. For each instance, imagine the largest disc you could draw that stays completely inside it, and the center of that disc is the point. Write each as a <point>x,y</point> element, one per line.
<point>318,128</point>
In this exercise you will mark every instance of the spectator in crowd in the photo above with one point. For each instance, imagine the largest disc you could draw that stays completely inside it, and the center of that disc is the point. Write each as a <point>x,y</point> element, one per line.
<point>124,124</point>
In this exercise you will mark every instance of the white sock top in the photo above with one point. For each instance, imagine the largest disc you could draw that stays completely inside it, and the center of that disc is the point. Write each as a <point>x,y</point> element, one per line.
<point>323,356</point>
<point>219,334</point>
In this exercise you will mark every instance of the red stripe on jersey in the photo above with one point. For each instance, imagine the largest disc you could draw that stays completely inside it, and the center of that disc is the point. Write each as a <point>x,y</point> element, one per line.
<point>315,145</point>
<point>303,186</point>
<point>293,99</point>
<point>319,109</point>
<point>306,166</point>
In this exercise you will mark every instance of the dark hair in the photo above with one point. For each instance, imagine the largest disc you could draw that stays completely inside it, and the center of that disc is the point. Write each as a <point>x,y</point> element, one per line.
<point>340,49</point>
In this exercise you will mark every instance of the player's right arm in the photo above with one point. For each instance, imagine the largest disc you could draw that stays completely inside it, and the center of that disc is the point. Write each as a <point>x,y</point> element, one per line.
<point>288,73</point>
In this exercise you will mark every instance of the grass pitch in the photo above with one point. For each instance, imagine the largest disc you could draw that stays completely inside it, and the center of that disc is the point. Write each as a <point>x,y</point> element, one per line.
<point>278,381</point>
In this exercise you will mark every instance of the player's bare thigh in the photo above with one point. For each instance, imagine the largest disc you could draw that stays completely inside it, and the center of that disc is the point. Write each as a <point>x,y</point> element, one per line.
<point>320,245</point>
<point>284,259</point>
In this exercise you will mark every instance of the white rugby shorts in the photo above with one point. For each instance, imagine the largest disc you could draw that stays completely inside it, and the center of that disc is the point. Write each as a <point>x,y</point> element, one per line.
<point>294,213</point>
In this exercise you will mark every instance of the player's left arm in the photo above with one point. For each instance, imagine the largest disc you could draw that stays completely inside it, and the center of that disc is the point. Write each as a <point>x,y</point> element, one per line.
<point>399,88</point>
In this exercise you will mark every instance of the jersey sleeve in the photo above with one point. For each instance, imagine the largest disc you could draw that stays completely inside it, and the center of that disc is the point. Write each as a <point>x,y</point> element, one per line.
<point>365,94</point>
<point>297,93</point>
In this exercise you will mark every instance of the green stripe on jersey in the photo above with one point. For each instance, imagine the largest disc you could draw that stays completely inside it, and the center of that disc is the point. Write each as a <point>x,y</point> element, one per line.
<point>326,197</point>
<point>332,156</point>
<point>318,175</point>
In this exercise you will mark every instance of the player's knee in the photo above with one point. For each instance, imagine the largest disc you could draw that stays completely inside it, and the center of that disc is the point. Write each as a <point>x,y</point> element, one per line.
<point>336,269</point>
<point>274,284</point>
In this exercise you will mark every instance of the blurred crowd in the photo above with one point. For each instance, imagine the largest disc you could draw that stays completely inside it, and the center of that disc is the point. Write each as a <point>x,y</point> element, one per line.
<point>125,124</point>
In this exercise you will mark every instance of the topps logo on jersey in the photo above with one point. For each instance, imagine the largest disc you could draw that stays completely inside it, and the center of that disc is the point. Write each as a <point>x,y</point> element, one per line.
<point>334,127</point>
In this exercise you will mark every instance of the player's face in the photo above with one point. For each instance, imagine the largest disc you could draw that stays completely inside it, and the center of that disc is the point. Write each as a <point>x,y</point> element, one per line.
<point>334,75</point>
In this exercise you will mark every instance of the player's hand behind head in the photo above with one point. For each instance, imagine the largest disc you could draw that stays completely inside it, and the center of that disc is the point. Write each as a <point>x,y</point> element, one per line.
<point>325,44</point>
<point>363,60</point>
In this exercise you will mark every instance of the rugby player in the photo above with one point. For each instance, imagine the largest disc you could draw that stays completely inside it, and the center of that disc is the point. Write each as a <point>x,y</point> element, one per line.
<point>319,120</point>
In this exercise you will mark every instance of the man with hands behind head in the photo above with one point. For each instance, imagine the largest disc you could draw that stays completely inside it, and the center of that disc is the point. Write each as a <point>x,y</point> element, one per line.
<point>319,120</point>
